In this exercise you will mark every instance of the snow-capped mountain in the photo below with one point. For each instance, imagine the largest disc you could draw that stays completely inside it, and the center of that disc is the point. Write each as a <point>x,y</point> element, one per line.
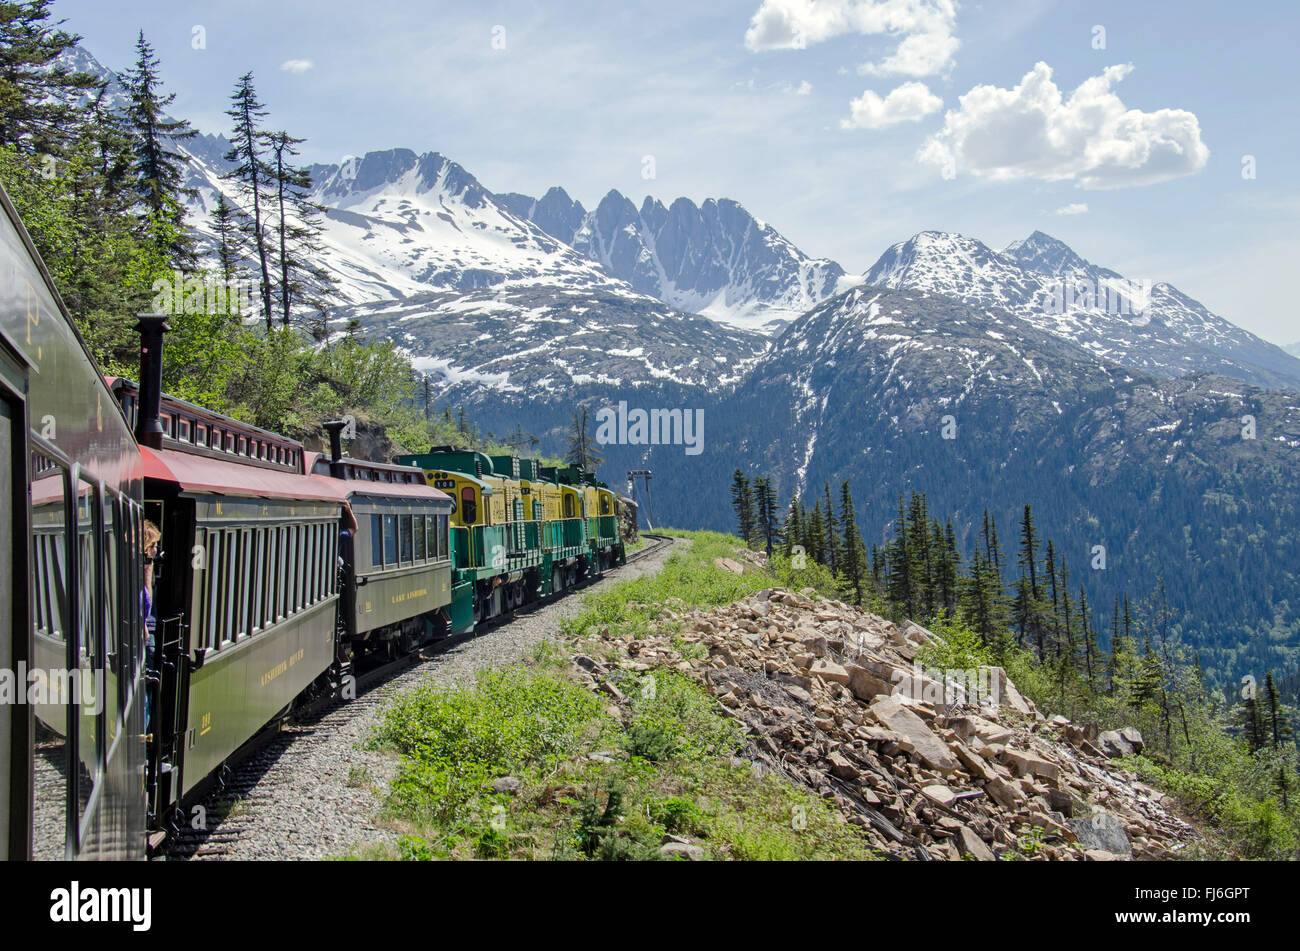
<point>484,301</point>
<point>1147,325</point>
<point>1293,348</point>
<point>714,259</point>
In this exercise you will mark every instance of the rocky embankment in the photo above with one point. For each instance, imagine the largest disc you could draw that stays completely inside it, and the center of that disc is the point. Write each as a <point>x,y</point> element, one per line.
<point>933,765</point>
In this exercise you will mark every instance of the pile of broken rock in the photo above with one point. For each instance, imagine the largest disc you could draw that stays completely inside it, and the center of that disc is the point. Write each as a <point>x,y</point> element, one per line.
<point>931,765</point>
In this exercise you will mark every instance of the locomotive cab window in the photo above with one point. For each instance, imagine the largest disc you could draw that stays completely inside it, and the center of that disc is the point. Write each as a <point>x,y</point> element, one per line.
<point>468,507</point>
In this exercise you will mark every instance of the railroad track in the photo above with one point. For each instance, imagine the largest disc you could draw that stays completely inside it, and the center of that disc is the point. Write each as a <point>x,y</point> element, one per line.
<point>211,826</point>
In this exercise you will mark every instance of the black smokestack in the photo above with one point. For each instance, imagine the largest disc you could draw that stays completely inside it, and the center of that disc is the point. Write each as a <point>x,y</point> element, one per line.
<point>148,426</point>
<point>335,428</point>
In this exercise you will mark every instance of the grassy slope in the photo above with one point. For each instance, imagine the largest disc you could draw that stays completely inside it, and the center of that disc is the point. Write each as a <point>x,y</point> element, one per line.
<point>594,782</point>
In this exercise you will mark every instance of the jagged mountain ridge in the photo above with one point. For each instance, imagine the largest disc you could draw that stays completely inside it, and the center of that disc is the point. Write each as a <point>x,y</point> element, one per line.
<point>714,259</point>
<point>1150,326</point>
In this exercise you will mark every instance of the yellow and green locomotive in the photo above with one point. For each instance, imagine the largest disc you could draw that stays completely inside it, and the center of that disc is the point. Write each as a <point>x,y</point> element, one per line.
<point>520,530</point>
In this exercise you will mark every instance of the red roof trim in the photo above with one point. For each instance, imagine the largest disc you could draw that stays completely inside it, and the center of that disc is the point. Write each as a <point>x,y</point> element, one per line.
<point>195,473</point>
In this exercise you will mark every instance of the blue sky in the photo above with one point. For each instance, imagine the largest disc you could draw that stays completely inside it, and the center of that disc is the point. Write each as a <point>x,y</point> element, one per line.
<point>846,124</point>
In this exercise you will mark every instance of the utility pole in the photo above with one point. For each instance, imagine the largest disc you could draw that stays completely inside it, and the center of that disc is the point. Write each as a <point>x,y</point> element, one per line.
<point>644,475</point>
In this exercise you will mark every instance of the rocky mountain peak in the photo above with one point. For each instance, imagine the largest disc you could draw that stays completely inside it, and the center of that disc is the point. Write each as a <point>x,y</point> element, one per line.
<point>1047,255</point>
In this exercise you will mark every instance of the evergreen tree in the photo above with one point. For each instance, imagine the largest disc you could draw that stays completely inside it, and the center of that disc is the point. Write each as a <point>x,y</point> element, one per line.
<point>742,501</point>
<point>38,93</point>
<point>1275,723</point>
<point>157,168</point>
<point>793,527</point>
<point>899,588</point>
<point>830,526</point>
<point>582,452</point>
<point>247,149</point>
<point>225,226</point>
<point>815,537</point>
<point>853,546</point>
<point>766,519</point>
<point>298,229</point>
<point>1091,657</point>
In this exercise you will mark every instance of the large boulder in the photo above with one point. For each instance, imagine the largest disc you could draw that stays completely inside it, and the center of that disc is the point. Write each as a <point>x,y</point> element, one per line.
<point>890,713</point>
<point>972,846</point>
<point>1102,831</point>
<point>1006,694</point>
<point>1115,744</point>
<point>866,686</point>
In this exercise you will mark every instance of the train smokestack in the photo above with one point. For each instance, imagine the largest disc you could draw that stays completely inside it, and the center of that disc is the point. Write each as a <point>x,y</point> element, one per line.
<point>335,429</point>
<point>148,424</point>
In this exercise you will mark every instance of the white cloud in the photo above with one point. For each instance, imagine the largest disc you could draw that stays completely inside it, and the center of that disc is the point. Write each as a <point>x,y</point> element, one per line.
<point>926,27</point>
<point>1074,208</point>
<point>910,102</point>
<point>803,89</point>
<point>1092,138</point>
<point>296,65</point>
<point>921,54</point>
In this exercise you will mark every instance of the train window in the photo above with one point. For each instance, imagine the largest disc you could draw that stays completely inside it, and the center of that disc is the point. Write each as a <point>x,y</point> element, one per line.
<point>431,535</point>
<point>200,435</point>
<point>282,573</point>
<point>49,579</point>
<point>376,540</point>
<point>111,536</point>
<point>306,561</point>
<point>229,569</point>
<point>245,572</point>
<point>404,523</point>
<point>256,563</point>
<point>421,542</point>
<point>313,564</point>
<point>89,662</point>
<point>300,566</point>
<point>390,539</point>
<point>468,507</point>
<point>271,570</point>
<point>290,561</point>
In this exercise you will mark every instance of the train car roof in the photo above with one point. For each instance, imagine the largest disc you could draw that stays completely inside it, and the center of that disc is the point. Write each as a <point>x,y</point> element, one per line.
<point>348,487</point>
<point>195,473</point>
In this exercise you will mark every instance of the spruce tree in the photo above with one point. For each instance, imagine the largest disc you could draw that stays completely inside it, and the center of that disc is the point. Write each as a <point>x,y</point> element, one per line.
<point>298,229</point>
<point>39,95</point>
<point>157,168</point>
<point>853,546</point>
<point>830,525</point>
<point>225,226</point>
<point>742,502</point>
<point>793,527</point>
<point>582,452</point>
<point>765,515</point>
<point>899,589</point>
<point>248,143</point>
<point>1275,721</point>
